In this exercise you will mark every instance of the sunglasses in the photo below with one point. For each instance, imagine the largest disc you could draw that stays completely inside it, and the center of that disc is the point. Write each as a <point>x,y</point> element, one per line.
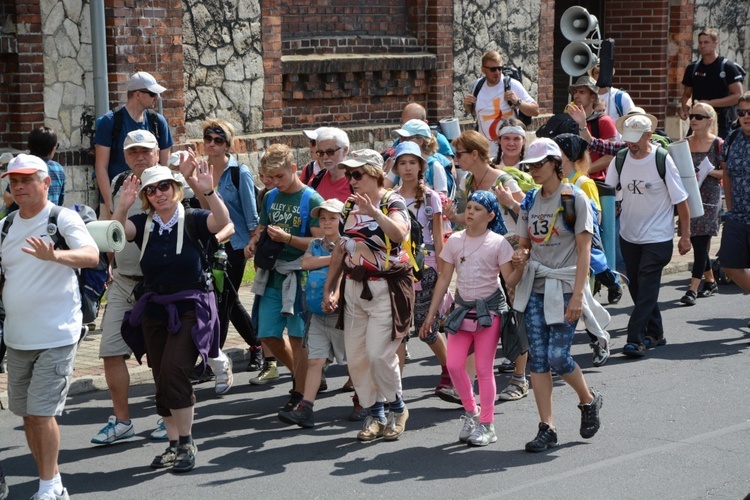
<point>493,68</point>
<point>538,164</point>
<point>354,174</point>
<point>162,186</point>
<point>698,117</point>
<point>327,152</point>
<point>219,141</point>
<point>150,94</point>
<point>743,112</point>
<point>459,153</point>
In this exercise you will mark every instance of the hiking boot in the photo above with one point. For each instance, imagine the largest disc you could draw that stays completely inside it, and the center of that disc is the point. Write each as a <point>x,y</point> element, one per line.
<point>51,496</point>
<point>470,423</point>
<point>359,412</point>
<point>224,380</point>
<point>372,430</point>
<point>590,415</point>
<point>302,416</point>
<point>709,288</point>
<point>545,438</point>
<point>166,459</point>
<point>614,294</point>
<point>689,298</point>
<point>449,395</point>
<point>199,375</point>
<point>268,374</point>
<point>601,354</point>
<point>185,459</point>
<point>294,400</point>
<point>160,433</point>
<point>257,359</point>
<point>114,431</point>
<point>395,424</point>
<point>483,435</point>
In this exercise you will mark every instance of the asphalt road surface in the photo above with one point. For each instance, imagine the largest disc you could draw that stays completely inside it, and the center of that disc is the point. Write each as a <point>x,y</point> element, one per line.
<point>675,425</point>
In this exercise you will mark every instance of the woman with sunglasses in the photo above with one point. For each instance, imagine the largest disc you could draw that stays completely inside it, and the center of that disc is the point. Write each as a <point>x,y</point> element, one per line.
<point>175,286</point>
<point>234,183</point>
<point>376,299</point>
<point>552,292</point>
<point>704,144</point>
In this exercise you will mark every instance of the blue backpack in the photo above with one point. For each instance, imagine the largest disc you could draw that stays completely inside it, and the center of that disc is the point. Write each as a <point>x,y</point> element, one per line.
<point>446,163</point>
<point>316,280</point>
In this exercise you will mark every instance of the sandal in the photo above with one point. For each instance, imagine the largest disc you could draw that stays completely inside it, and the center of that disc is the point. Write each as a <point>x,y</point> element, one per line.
<point>633,350</point>
<point>651,342</point>
<point>514,391</point>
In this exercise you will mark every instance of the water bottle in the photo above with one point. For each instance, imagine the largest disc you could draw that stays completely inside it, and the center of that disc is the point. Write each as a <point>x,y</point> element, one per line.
<point>569,206</point>
<point>219,267</point>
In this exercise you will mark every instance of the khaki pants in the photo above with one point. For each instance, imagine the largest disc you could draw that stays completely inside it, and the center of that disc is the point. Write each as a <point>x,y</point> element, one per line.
<point>370,352</point>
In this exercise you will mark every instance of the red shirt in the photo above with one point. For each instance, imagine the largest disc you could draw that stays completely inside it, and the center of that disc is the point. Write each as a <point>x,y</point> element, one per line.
<point>328,190</point>
<point>607,130</point>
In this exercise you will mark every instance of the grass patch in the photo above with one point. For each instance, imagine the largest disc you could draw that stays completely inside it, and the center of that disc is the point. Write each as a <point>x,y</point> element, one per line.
<point>249,275</point>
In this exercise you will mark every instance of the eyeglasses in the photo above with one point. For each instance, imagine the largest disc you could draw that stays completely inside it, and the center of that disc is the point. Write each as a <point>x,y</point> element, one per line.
<point>354,174</point>
<point>743,112</point>
<point>698,117</point>
<point>163,186</point>
<point>459,153</point>
<point>219,141</point>
<point>150,94</point>
<point>327,152</point>
<point>538,164</point>
<point>493,68</point>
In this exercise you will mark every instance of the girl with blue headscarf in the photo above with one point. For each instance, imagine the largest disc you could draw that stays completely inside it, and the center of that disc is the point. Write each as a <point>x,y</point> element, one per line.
<point>478,255</point>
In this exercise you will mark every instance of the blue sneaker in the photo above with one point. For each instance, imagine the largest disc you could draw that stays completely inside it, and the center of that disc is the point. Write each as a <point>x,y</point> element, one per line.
<point>114,431</point>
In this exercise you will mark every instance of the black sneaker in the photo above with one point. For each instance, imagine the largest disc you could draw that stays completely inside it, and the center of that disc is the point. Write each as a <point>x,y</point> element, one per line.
<point>185,459</point>
<point>709,288</point>
<point>294,400</point>
<point>198,376</point>
<point>506,366</point>
<point>614,294</point>
<point>689,298</point>
<point>256,359</point>
<point>601,354</point>
<point>590,415</point>
<point>302,416</point>
<point>545,438</point>
<point>165,460</point>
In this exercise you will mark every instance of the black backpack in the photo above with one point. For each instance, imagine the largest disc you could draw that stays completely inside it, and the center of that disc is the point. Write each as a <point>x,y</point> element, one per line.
<point>559,124</point>
<point>92,281</point>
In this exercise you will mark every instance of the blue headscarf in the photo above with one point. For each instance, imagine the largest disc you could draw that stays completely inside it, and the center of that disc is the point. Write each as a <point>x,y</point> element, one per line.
<point>489,201</point>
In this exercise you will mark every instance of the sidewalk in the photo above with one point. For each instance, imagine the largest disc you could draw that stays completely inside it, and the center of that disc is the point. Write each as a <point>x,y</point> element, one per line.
<point>89,373</point>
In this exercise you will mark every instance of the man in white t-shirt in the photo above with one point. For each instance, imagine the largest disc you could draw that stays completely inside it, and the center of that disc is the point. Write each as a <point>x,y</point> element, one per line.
<point>43,305</point>
<point>647,227</point>
<point>617,102</point>
<point>497,98</point>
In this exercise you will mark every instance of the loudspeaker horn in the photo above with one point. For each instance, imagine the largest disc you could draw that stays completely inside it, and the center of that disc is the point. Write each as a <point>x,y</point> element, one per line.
<point>576,23</point>
<point>577,58</point>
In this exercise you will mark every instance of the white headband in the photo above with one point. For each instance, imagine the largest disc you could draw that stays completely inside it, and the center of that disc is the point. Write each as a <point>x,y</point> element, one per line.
<point>511,130</point>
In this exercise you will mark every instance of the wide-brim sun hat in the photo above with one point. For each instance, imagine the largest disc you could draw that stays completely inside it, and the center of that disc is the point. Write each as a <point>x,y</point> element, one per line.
<point>363,157</point>
<point>154,175</point>
<point>409,148</point>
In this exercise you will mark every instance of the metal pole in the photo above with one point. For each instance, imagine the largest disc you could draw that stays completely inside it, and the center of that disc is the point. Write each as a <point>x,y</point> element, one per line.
<point>99,51</point>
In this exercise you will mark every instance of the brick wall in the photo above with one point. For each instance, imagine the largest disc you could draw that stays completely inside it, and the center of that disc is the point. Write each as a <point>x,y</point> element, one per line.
<point>681,15</point>
<point>640,31</point>
<point>545,87</point>
<point>303,18</point>
<point>438,40</point>
<point>147,39</point>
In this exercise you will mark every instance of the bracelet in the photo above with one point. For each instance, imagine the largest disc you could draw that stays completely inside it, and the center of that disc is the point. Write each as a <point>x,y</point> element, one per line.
<point>290,240</point>
<point>209,193</point>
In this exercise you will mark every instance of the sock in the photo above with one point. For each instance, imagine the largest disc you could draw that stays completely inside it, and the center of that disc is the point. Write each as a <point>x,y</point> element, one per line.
<point>185,439</point>
<point>397,406</point>
<point>519,378</point>
<point>57,484</point>
<point>270,358</point>
<point>378,411</point>
<point>173,444</point>
<point>124,422</point>
<point>46,486</point>
<point>307,403</point>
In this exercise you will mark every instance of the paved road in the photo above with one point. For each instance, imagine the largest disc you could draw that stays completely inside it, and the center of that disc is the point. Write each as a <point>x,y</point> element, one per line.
<point>675,425</point>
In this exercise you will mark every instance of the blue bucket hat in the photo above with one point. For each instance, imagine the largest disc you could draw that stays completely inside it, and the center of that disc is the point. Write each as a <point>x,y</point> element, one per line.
<point>409,148</point>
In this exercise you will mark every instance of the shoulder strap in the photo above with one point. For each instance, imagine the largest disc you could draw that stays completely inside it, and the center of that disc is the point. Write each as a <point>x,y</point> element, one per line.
<point>595,127</point>
<point>8,222</point>
<point>618,102</point>
<point>57,239</point>
<point>661,162</point>
<point>304,209</point>
<point>580,180</point>
<point>478,85</point>
<point>506,82</point>
<point>119,181</point>
<point>729,140</point>
<point>270,197</point>
<point>235,174</point>
<point>619,162</point>
<point>152,119</point>
<point>116,129</point>
<point>317,179</point>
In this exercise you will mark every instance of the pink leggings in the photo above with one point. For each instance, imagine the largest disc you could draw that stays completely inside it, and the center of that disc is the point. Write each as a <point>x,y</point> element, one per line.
<point>485,345</point>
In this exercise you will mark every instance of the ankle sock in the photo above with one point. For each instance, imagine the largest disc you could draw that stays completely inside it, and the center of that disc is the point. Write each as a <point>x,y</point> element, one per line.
<point>378,411</point>
<point>397,406</point>
<point>173,444</point>
<point>125,422</point>
<point>50,486</point>
<point>185,439</point>
<point>518,378</point>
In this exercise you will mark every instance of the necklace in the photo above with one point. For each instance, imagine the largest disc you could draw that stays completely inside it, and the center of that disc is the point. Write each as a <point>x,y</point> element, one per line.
<point>462,260</point>
<point>479,184</point>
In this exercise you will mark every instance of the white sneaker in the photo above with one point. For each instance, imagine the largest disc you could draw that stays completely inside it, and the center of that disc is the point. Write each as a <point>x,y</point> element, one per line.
<point>160,433</point>
<point>470,424</point>
<point>114,431</point>
<point>483,435</point>
<point>51,496</point>
<point>224,380</point>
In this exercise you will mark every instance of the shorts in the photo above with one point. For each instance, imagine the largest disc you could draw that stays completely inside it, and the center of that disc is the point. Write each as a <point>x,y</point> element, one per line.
<point>38,380</point>
<point>324,341</point>
<point>270,321</point>
<point>734,252</point>
<point>119,301</point>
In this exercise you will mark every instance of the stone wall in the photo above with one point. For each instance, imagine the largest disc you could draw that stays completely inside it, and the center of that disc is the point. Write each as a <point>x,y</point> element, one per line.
<point>731,20</point>
<point>223,64</point>
<point>510,27</point>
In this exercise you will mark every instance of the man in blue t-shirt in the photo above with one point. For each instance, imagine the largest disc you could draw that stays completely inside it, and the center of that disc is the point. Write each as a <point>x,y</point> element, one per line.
<point>135,114</point>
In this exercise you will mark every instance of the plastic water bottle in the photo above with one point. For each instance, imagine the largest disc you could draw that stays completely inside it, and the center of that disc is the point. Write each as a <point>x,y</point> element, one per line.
<point>220,267</point>
<point>569,206</point>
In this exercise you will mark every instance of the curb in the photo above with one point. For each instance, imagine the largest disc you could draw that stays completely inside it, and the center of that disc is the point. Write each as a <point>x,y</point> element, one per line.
<point>141,375</point>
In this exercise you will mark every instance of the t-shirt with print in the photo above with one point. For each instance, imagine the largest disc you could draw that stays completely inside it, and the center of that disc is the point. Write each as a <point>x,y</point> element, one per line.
<point>365,241</point>
<point>425,215</point>
<point>737,158</point>
<point>477,261</point>
<point>491,107</point>
<point>647,201</point>
<point>285,213</point>
<point>544,221</point>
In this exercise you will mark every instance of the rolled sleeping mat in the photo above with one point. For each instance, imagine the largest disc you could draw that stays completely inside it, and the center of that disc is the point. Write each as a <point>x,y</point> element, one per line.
<point>109,235</point>
<point>607,228</point>
<point>450,127</point>
<point>680,153</point>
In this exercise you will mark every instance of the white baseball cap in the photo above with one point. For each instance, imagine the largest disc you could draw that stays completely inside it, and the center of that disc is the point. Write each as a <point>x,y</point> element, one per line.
<point>143,80</point>
<point>634,127</point>
<point>142,138</point>
<point>540,149</point>
<point>333,205</point>
<point>26,165</point>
